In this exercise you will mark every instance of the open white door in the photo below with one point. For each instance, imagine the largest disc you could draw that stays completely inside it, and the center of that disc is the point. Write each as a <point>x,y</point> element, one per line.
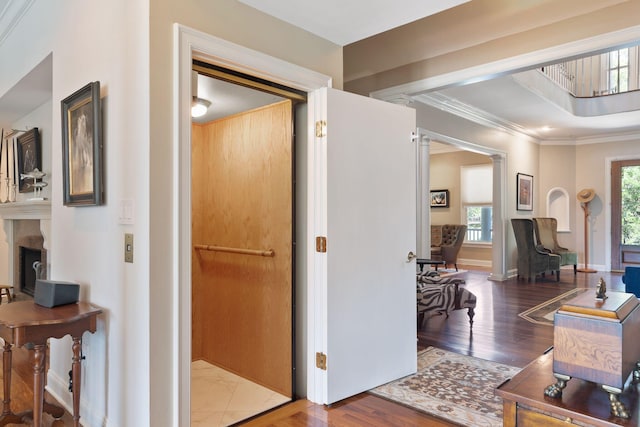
<point>365,205</point>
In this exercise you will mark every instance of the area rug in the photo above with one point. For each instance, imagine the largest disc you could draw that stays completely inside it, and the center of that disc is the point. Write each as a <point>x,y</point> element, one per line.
<point>542,314</point>
<point>453,387</point>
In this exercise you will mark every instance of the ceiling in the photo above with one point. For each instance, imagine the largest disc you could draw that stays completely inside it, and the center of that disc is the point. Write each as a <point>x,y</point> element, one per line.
<point>343,22</point>
<point>501,102</point>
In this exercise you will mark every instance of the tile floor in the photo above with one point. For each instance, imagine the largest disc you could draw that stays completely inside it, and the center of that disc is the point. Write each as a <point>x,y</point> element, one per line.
<point>220,398</point>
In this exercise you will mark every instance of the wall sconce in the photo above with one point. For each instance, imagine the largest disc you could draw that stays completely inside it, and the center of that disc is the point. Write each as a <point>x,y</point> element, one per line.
<point>199,107</point>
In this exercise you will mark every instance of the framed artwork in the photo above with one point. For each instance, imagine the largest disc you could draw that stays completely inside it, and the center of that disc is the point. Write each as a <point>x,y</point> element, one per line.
<point>524,192</point>
<point>29,157</point>
<point>439,198</point>
<point>82,147</point>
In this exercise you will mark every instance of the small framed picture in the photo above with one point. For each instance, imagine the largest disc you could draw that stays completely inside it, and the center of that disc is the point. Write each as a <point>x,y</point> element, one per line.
<point>29,157</point>
<point>82,147</point>
<point>439,198</point>
<point>524,192</point>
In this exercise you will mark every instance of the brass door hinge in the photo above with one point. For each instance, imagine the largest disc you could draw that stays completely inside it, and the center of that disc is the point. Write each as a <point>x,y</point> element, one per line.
<point>321,361</point>
<point>321,128</point>
<point>321,244</point>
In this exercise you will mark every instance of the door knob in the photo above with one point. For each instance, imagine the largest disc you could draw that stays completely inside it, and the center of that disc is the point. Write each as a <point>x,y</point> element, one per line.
<point>411,256</point>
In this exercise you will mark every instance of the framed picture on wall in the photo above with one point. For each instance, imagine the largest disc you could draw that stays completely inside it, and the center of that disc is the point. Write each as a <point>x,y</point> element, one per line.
<point>82,147</point>
<point>524,192</point>
<point>439,198</point>
<point>29,157</point>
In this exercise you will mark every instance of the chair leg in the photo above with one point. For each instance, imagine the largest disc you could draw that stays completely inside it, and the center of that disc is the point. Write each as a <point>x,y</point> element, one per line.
<point>557,275</point>
<point>575,269</point>
<point>456,266</point>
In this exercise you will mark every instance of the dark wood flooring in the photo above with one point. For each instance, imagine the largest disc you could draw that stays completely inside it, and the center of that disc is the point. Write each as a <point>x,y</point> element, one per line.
<point>498,334</point>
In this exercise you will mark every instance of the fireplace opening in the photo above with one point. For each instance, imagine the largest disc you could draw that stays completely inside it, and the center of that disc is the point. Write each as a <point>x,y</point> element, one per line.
<point>30,258</point>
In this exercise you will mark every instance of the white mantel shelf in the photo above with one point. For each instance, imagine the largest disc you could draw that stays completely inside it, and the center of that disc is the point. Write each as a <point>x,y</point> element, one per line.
<point>37,209</point>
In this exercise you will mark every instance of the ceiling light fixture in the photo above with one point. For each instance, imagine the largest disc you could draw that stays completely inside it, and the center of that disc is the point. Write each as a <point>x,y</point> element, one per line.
<point>199,107</point>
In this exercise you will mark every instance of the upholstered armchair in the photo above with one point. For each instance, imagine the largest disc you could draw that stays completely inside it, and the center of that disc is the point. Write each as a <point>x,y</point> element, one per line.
<point>631,280</point>
<point>446,241</point>
<point>532,259</point>
<point>547,236</point>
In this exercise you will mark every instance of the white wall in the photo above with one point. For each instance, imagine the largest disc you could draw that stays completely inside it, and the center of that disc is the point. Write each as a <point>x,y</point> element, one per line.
<point>106,42</point>
<point>128,47</point>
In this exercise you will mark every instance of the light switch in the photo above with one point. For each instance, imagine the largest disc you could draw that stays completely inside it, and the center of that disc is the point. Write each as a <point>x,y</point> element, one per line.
<point>128,247</point>
<point>126,212</point>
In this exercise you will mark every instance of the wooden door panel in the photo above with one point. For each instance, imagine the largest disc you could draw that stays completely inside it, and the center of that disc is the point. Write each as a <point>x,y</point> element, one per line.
<point>242,199</point>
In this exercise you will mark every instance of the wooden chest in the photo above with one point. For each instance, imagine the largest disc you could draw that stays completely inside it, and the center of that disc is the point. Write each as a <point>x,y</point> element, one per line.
<point>598,341</point>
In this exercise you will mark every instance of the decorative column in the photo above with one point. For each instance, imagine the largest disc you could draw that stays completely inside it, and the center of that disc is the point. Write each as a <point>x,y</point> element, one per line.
<point>423,228</point>
<point>498,271</point>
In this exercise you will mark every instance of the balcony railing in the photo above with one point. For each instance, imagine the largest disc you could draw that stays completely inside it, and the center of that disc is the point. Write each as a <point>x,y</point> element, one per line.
<point>608,73</point>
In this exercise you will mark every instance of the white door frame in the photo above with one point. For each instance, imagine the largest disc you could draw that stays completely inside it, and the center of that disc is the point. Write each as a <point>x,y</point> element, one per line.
<point>190,44</point>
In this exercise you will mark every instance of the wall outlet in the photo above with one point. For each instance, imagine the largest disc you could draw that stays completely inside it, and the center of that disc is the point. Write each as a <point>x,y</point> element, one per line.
<point>128,247</point>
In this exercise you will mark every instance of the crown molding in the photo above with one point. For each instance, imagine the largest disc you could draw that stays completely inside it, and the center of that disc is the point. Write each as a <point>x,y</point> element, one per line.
<point>474,114</point>
<point>11,15</point>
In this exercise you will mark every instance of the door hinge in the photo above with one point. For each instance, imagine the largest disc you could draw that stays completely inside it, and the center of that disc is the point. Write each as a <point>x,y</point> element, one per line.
<point>321,244</point>
<point>321,361</point>
<point>321,128</point>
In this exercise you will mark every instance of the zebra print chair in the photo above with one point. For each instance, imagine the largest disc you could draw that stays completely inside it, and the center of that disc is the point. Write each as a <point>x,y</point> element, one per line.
<point>438,295</point>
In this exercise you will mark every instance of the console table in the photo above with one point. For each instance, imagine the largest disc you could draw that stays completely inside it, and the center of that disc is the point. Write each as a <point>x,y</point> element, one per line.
<point>526,405</point>
<point>25,322</point>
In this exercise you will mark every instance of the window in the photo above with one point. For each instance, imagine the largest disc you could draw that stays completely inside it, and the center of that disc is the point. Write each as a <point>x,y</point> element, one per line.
<point>476,184</point>
<point>619,71</point>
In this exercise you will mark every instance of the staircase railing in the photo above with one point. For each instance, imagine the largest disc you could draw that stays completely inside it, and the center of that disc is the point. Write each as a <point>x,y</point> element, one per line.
<point>593,75</point>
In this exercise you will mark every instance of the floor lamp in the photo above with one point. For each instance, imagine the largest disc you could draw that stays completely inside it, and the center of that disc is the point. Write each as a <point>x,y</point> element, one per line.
<point>584,197</point>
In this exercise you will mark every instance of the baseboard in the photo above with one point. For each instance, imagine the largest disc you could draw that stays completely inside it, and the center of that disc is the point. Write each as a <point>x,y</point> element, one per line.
<point>59,389</point>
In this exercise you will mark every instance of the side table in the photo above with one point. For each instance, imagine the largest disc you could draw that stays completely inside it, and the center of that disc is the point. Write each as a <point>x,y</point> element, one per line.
<point>422,261</point>
<point>582,401</point>
<point>26,322</point>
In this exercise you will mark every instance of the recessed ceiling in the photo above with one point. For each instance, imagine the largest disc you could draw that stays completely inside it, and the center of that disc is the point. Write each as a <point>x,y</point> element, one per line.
<point>343,22</point>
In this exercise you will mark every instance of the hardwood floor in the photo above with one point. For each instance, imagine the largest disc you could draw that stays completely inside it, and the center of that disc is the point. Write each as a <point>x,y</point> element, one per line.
<point>498,334</point>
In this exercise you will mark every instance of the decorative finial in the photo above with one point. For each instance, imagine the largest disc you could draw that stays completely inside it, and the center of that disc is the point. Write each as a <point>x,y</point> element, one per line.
<point>601,290</point>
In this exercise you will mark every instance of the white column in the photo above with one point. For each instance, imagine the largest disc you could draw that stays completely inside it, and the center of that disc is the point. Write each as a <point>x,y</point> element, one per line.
<point>498,270</point>
<point>424,214</point>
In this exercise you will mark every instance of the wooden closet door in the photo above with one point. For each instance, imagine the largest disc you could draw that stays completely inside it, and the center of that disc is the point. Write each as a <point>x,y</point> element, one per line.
<point>242,199</point>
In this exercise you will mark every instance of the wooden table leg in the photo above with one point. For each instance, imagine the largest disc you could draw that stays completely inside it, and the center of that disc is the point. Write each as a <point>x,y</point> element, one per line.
<point>38,383</point>
<point>6,375</point>
<point>75,379</point>
<point>7,417</point>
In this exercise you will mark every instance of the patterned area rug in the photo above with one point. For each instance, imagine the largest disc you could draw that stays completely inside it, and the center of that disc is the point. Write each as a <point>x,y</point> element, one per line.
<point>451,386</point>
<point>542,314</point>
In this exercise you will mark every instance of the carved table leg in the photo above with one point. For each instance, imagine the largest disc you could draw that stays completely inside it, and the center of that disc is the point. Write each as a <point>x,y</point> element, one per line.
<point>6,374</point>
<point>617,408</point>
<point>38,383</point>
<point>7,416</point>
<point>75,379</point>
<point>555,390</point>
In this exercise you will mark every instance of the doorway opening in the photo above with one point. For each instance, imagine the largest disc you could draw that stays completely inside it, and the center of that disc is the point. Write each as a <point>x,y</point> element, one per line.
<point>625,226</point>
<point>243,246</point>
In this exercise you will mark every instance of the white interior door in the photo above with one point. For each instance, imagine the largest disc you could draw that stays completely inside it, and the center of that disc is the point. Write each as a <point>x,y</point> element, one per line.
<point>369,199</point>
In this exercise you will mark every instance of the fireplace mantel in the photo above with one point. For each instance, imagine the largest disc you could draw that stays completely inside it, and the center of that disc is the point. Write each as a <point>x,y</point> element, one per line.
<point>37,209</point>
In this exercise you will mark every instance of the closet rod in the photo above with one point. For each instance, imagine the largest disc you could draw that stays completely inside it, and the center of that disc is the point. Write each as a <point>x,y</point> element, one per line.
<point>266,253</point>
